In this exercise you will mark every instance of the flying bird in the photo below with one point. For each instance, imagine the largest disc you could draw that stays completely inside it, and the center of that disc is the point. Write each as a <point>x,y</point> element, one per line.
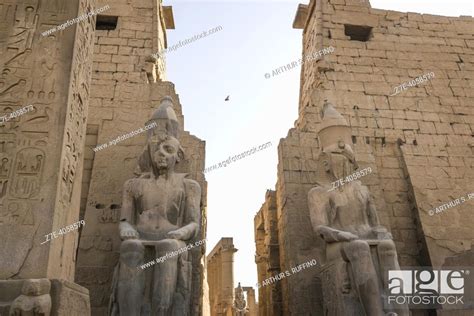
<point>228,97</point>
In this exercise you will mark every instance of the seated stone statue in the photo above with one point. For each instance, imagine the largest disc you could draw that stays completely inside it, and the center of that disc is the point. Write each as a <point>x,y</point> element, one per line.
<point>161,213</point>
<point>346,218</point>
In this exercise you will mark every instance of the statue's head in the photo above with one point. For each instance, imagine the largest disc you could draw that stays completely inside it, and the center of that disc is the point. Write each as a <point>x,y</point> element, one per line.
<point>162,150</point>
<point>335,140</point>
<point>165,153</point>
<point>339,161</point>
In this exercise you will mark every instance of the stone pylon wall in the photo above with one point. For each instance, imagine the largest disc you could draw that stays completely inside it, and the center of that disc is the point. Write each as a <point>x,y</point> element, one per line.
<point>42,150</point>
<point>123,96</point>
<point>418,142</point>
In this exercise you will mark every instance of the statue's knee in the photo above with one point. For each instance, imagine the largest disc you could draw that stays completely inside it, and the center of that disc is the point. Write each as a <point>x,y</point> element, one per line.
<point>131,251</point>
<point>359,246</point>
<point>132,245</point>
<point>387,247</point>
<point>171,245</point>
<point>357,249</point>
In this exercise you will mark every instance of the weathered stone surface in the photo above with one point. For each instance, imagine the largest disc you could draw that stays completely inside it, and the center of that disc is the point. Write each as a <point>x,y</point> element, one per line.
<point>69,299</point>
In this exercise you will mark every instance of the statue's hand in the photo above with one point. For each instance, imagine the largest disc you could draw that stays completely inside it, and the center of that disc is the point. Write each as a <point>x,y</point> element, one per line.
<point>381,233</point>
<point>346,236</point>
<point>177,234</point>
<point>334,235</point>
<point>379,229</point>
<point>128,233</point>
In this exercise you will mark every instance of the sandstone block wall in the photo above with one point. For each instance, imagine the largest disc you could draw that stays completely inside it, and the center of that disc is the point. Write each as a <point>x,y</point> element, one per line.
<point>419,142</point>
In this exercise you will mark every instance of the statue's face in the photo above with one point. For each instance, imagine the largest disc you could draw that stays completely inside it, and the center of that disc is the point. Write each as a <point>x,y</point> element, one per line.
<point>165,154</point>
<point>341,166</point>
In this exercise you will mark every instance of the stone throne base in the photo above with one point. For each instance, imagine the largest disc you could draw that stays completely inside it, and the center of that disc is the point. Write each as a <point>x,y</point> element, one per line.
<point>339,295</point>
<point>61,297</point>
<point>181,300</point>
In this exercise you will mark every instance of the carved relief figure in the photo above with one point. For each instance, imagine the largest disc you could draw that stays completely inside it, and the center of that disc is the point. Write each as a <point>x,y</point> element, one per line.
<point>346,218</point>
<point>160,214</point>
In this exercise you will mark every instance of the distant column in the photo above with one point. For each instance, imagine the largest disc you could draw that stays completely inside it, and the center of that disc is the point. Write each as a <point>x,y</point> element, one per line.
<point>252,304</point>
<point>221,277</point>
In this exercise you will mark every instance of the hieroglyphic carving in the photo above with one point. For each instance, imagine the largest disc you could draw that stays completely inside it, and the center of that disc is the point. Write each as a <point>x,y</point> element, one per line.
<point>17,213</point>
<point>6,143</point>
<point>75,128</point>
<point>28,170</point>
<point>21,166</point>
<point>30,70</point>
<point>51,73</point>
<point>5,165</point>
<point>15,57</point>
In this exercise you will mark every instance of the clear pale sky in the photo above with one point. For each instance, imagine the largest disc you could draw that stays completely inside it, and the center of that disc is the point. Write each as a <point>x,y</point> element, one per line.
<point>257,37</point>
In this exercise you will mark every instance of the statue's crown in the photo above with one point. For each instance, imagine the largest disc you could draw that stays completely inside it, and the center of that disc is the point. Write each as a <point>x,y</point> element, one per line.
<point>334,129</point>
<point>166,125</point>
<point>166,121</point>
